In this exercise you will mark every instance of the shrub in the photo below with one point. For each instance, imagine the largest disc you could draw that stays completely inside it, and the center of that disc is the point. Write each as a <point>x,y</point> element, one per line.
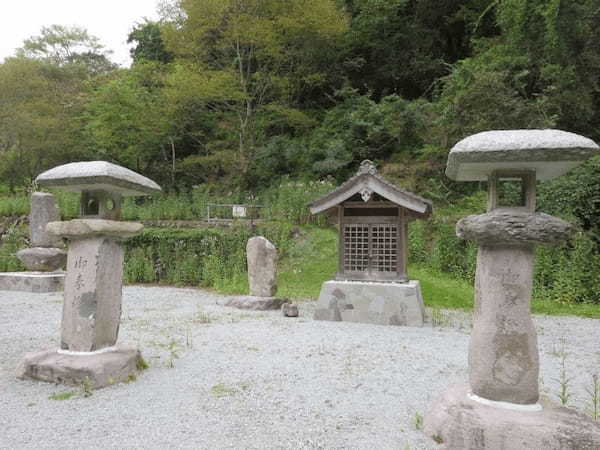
<point>570,272</point>
<point>206,257</point>
<point>290,199</point>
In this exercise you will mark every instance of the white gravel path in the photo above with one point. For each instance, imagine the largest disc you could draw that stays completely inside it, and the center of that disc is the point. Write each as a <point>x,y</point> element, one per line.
<point>225,378</point>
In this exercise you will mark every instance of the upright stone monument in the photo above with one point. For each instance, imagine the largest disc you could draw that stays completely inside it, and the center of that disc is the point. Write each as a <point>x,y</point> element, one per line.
<point>500,408</point>
<point>261,256</point>
<point>372,284</point>
<point>93,286</point>
<point>46,255</point>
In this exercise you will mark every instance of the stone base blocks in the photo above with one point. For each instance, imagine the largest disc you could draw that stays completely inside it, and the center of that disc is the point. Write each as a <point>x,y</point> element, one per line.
<point>371,302</point>
<point>44,258</point>
<point>97,369</point>
<point>254,303</point>
<point>458,421</point>
<point>36,282</point>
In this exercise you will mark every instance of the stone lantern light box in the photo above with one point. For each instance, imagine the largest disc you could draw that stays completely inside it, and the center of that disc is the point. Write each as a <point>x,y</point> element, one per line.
<point>371,284</point>
<point>93,283</point>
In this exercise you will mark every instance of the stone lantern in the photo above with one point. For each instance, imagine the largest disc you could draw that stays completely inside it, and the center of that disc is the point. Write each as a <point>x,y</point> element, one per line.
<point>372,284</point>
<point>45,256</point>
<point>93,285</point>
<point>500,408</point>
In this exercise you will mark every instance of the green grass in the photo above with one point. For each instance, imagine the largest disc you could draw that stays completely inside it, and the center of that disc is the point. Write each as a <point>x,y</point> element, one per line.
<point>441,290</point>
<point>553,308</point>
<point>311,260</point>
<point>62,395</point>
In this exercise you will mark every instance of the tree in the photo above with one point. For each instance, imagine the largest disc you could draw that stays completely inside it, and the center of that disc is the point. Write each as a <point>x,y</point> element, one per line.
<point>258,53</point>
<point>66,46</point>
<point>149,45</point>
<point>126,120</point>
<point>39,108</point>
<point>403,46</point>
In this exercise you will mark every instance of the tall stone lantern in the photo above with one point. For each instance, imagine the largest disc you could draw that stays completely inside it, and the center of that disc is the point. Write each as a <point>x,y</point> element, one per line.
<point>93,285</point>
<point>500,408</point>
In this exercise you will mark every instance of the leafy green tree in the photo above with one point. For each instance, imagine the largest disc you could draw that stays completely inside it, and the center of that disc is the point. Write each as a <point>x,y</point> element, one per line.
<point>253,54</point>
<point>127,121</point>
<point>149,45</point>
<point>68,46</point>
<point>403,46</point>
<point>39,108</point>
<point>360,128</point>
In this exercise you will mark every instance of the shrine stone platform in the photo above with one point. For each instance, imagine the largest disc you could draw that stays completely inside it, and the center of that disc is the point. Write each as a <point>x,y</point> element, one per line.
<point>371,302</point>
<point>38,282</point>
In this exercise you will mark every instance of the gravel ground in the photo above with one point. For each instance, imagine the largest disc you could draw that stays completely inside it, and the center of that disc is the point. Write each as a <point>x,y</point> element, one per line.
<point>225,378</point>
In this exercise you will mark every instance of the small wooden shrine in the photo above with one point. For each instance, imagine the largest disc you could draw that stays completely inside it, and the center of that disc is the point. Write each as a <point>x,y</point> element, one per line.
<point>373,216</point>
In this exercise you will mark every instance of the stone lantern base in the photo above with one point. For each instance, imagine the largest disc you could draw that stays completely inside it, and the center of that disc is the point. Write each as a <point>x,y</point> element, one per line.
<point>458,421</point>
<point>371,302</point>
<point>99,369</point>
<point>38,282</point>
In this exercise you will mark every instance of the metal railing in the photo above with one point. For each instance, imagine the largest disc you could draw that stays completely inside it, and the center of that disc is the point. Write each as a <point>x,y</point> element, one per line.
<point>232,211</point>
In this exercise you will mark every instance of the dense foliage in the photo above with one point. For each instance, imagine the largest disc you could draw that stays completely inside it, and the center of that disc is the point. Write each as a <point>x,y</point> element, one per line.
<point>239,99</point>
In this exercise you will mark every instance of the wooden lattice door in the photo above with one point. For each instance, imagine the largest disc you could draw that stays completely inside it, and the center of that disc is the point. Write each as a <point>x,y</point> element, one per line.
<point>371,251</point>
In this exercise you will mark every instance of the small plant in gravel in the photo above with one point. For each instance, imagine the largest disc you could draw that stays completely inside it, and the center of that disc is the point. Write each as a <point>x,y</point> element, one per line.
<point>173,348</point>
<point>87,387</point>
<point>141,364</point>
<point>62,395</point>
<point>439,318</point>
<point>189,338</point>
<point>418,421</point>
<point>594,391</point>
<point>201,316</point>
<point>564,380</point>
<point>221,390</point>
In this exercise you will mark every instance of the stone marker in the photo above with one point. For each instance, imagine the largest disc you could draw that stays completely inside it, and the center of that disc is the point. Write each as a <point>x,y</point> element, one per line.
<point>43,210</point>
<point>45,257</point>
<point>261,255</point>
<point>289,310</point>
<point>501,407</point>
<point>93,285</point>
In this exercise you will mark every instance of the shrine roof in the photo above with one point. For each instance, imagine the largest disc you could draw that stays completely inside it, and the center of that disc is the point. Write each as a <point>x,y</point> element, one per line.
<point>366,182</point>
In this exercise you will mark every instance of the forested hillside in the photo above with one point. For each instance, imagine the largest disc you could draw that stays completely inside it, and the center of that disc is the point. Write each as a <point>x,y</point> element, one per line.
<point>236,97</point>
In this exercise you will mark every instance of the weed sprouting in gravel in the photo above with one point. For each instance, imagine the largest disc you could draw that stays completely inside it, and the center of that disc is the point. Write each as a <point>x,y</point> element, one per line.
<point>62,395</point>
<point>221,390</point>
<point>141,364</point>
<point>594,392</point>
<point>87,387</point>
<point>202,317</point>
<point>564,380</point>
<point>173,347</point>
<point>418,421</point>
<point>189,338</point>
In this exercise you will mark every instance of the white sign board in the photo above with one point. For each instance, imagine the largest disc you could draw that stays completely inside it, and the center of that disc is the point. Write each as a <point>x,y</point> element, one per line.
<point>239,211</point>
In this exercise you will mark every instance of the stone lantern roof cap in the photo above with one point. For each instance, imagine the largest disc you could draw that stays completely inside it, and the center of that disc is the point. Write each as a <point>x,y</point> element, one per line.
<point>98,176</point>
<point>551,153</point>
<point>366,182</point>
